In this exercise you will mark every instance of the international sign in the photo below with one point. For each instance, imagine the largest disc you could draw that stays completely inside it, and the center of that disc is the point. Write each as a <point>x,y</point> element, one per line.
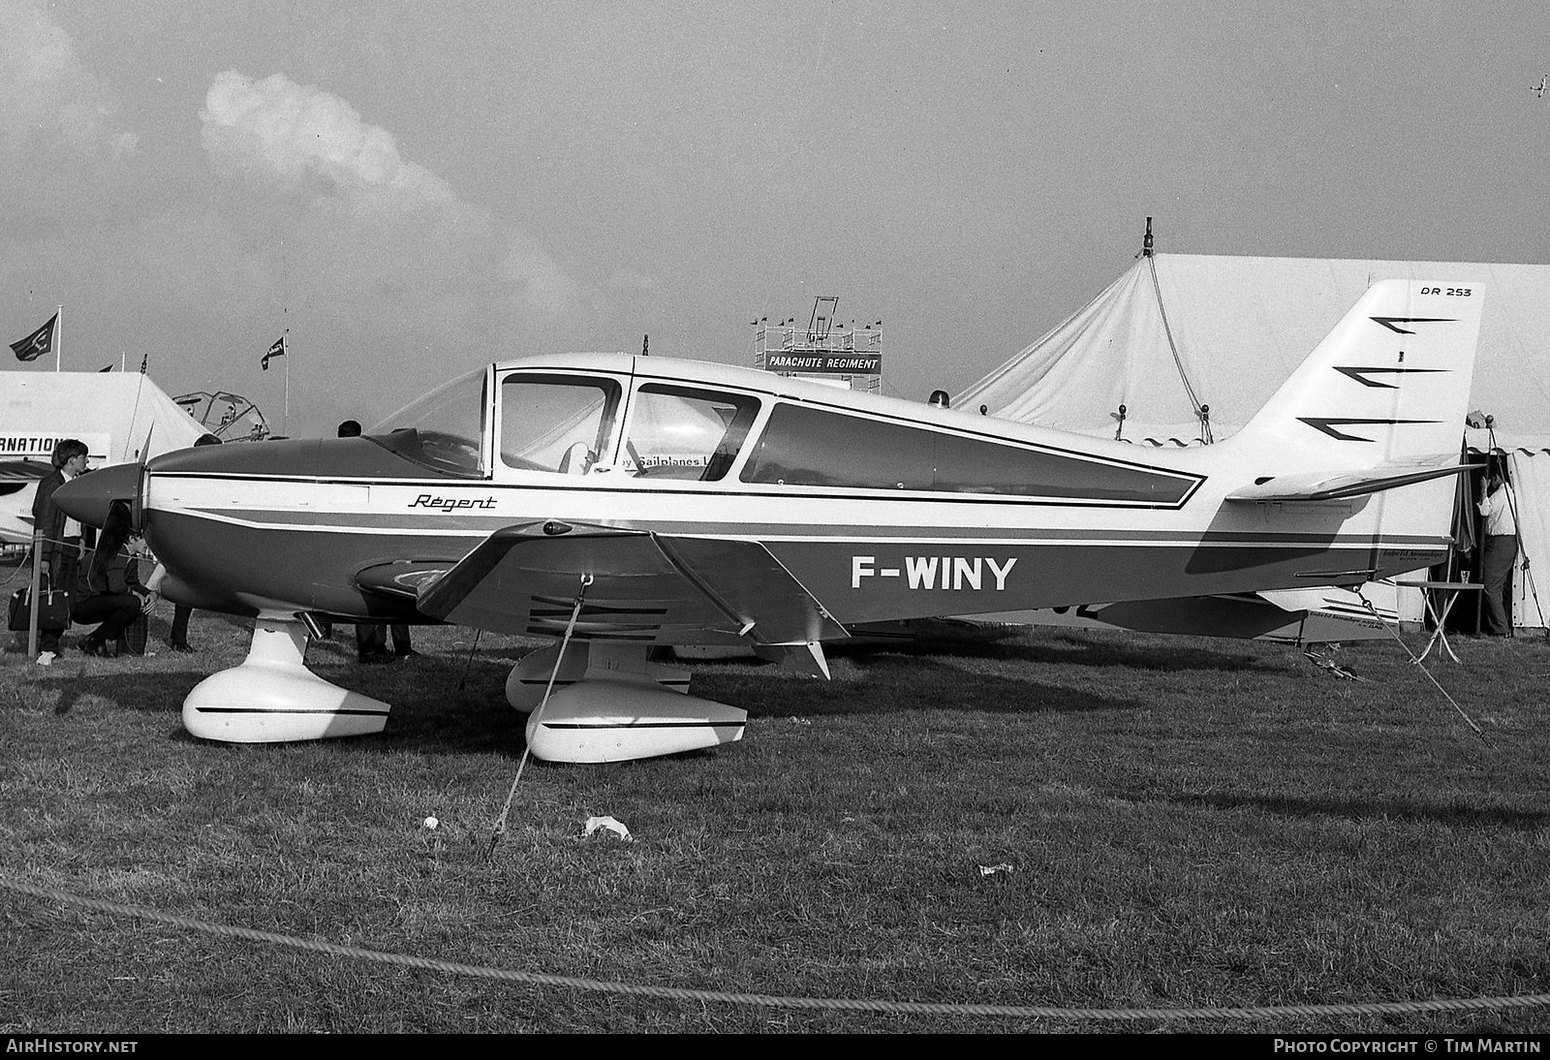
<point>40,446</point>
<point>826,363</point>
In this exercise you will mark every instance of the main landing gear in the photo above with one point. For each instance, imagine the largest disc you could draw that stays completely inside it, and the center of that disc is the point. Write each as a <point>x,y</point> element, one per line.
<point>590,701</point>
<point>606,702</point>
<point>271,697</point>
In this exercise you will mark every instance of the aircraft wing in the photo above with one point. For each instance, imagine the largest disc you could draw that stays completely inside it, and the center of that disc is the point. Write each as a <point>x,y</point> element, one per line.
<point>665,588</point>
<point>17,475</point>
<point>1334,486</point>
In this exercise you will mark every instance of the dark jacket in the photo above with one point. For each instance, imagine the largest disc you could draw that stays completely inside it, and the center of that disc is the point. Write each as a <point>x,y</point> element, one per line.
<point>47,517</point>
<point>121,574</point>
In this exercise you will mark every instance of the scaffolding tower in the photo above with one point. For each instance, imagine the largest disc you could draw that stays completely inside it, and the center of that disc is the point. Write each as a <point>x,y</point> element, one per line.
<point>825,351</point>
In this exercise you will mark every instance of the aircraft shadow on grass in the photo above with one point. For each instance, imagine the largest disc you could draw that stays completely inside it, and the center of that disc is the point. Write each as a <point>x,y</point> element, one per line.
<point>892,684</point>
<point>470,714</point>
<point>467,708</point>
<point>1013,644</point>
<point>471,718</point>
<point>142,691</point>
<point>476,715</point>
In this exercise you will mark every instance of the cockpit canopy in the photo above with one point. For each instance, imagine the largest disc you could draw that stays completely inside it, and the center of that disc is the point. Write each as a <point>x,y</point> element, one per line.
<point>568,424</point>
<point>561,422</point>
<point>444,430</point>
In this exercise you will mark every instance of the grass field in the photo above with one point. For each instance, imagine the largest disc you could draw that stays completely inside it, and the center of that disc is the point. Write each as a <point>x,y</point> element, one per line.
<point>1169,823</point>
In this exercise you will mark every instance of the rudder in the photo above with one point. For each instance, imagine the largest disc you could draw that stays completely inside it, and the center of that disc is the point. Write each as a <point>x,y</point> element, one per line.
<point>1389,384</point>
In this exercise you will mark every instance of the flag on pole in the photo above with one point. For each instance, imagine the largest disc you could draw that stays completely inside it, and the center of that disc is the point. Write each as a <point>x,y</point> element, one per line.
<point>36,344</point>
<point>144,360</point>
<point>277,350</point>
<point>109,368</point>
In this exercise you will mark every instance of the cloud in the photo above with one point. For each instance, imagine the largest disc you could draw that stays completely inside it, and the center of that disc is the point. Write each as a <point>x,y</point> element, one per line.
<point>49,105</point>
<point>277,131</point>
<point>340,196</point>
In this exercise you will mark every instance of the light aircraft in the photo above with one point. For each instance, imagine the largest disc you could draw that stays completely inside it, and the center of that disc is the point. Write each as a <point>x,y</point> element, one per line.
<point>617,502</point>
<point>18,483</point>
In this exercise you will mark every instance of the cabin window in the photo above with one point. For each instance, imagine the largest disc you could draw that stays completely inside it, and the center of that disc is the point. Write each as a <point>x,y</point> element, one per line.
<point>686,433</point>
<point>556,424</point>
<point>805,446</point>
<point>973,465</point>
<point>814,447</point>
<point>444,430</point>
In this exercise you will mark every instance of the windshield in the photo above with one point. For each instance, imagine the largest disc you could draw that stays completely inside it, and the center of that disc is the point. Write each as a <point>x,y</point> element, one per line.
<point>444,430</point>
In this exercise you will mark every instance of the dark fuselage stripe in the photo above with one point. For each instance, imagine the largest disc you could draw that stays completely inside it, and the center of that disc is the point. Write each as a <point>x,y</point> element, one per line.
<point>603,726</point>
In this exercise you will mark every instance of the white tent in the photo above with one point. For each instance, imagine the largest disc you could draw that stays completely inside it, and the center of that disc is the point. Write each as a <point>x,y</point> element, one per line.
<point>121,416</point>
<point>1528,466</point>
<point>1192,345</point>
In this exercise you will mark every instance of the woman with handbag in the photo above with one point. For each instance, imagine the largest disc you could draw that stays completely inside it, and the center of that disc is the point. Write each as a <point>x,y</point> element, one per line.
<point>108,589</point>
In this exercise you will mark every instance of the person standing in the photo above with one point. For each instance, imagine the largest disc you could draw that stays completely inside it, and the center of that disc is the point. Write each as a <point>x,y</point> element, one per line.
<point>59,537</point>
<point>402,647</point>
<point>1499,507</point>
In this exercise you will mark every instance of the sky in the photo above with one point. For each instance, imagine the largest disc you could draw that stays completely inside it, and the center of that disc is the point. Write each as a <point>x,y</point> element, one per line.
<point>408,190</point>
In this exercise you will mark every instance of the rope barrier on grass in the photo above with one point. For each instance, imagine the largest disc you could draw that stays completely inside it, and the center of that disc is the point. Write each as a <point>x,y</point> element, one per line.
<point>1377,1008</point>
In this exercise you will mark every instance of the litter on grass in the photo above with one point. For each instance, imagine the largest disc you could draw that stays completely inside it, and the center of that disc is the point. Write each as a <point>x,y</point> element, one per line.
<point>594,823</point>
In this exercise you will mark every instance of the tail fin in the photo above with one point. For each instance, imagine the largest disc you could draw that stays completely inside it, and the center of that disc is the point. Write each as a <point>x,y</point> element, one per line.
<point>1388,387</point>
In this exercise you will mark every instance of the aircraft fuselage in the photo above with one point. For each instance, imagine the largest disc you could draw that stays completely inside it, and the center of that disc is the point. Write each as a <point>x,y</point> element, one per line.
<point>880,508</point>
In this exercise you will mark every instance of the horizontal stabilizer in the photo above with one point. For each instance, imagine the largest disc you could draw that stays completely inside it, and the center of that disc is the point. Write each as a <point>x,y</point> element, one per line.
<point>1336,486</point>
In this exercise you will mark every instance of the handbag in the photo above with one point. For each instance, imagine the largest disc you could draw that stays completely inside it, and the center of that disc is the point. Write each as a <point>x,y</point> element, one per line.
<point>53,614</point>
<point>132,640</point>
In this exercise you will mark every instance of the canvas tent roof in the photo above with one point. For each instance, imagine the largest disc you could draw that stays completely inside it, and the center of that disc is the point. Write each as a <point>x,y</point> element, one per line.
<point>115,413</point>
<point>1180,330</point>
<point>119,415</point>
